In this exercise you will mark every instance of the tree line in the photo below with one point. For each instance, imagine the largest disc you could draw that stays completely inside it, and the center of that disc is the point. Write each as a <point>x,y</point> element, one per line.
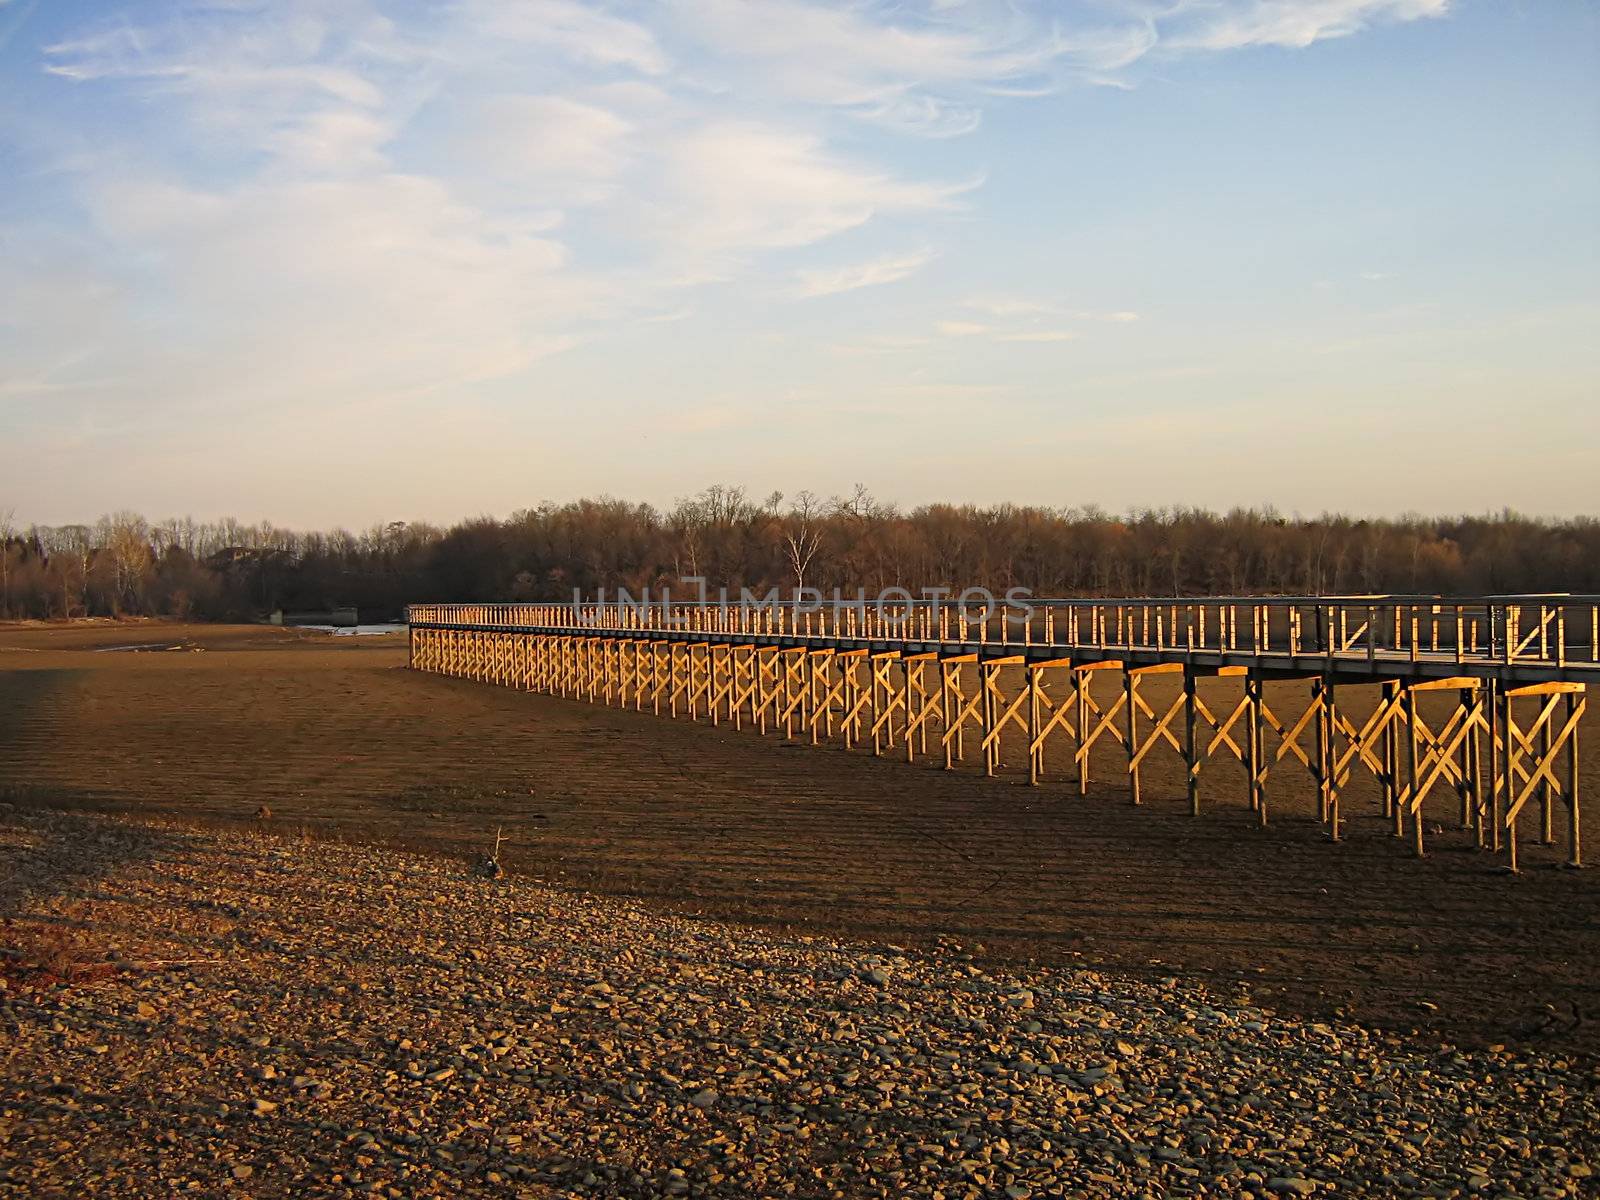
<point>123,564</point>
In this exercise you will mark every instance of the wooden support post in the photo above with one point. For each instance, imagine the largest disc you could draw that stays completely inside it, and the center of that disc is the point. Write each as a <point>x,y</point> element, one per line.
<point>1510,776</point>
<point>1324,753</point>
<point>960,708</point>
<point>761,695</point>
<point>716,667</point>
<point>1413,797</point>
<point>1331,716</point>
<point>1485,771</point>
<point>834,669</point>
<point>1472,763</point>
<point>1035,742</point>
<point>999,712</point>
<point>1130,686</point>
<point>1257,764</point>
<point>1505,777</point>
<point>1391,754</point>
<point>1576,702</point>
<point>786,694</point>
<point>1542,746</point>
<point>1080,699</point>
<point>808,679</point>
<point>817,692</point>
<point>1398,791</point>
<point>1547,832</point>
<point>674,669</point>
<point>1191,759</point>
<point>916,724</point>
<point>879,687</point>
<point>986,690</point>
<point>858,698</point>
<point>946,687</point>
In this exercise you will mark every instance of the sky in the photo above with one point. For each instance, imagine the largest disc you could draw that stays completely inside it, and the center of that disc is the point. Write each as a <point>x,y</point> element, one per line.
<point>336,263</point>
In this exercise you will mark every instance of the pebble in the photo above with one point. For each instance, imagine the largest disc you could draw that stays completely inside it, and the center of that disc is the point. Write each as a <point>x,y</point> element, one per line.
<point>594,1047</point>
<point>1285,1185</point>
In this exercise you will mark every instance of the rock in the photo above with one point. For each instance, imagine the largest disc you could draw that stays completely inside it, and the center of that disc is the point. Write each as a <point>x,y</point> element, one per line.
<point>578,1032</point>
<point>1290,1185</point>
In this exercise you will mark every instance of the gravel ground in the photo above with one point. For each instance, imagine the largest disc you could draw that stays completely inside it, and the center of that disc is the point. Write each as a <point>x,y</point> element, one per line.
<point>238,1013</point>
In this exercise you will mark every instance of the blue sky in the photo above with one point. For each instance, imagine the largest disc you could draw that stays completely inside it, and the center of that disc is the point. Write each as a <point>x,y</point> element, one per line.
<point>343,262</point>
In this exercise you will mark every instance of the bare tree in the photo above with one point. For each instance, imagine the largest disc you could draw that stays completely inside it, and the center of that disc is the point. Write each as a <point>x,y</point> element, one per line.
<point>227,568</point>
<point>802,535</point>
<point>7,528</point>
<point>127,537</point>
<point>688,521</point>
<point>75,552</point>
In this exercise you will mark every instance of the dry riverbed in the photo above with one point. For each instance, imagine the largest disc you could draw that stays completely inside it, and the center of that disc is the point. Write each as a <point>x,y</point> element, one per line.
<point>190,1010</point>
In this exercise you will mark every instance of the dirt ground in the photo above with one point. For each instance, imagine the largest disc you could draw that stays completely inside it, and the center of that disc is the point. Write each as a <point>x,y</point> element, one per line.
<point>336,737</point>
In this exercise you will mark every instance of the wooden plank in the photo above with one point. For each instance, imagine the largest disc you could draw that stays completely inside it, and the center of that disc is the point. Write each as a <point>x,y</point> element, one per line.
<point>1552,688</point>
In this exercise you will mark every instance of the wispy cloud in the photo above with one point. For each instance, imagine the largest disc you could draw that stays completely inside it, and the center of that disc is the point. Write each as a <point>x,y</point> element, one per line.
<point>914,70</point>
<point>584,33</point>
<point>872,273</point>
<point>1013,307</point>
<point>729,187</point>
<point>977,329</point>
<point>1038,335</point>
<point>881,343</point>
<point>1024,319</point>
<point>1191,25</point>
<point>962,328</point>
<point>306,204</point>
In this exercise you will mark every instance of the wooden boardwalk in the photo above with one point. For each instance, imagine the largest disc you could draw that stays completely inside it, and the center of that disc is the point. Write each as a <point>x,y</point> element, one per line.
<point>928,680</point>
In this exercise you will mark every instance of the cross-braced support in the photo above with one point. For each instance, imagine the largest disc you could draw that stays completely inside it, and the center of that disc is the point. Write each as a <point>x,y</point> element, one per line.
<point>1508,752</point>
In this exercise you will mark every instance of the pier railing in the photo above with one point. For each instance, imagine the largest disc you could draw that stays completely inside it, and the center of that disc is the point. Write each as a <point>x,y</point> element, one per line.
<point>1476,698</point>
<point>1546,635</point>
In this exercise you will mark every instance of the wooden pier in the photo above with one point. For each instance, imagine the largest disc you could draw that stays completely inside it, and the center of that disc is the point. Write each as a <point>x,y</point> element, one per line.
<point>937,682</point>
